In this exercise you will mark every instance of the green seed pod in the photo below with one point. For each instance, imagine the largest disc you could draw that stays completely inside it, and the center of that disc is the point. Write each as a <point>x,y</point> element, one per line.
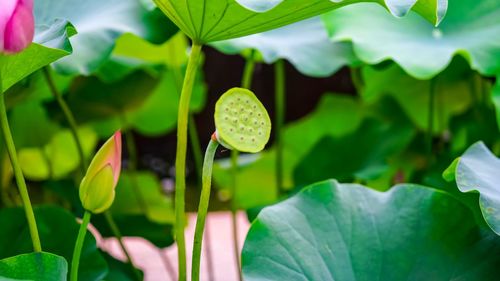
<point>241,121</point>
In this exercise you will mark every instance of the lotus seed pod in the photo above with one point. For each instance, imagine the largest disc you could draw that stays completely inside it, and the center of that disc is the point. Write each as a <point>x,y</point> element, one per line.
<point>241,121</point>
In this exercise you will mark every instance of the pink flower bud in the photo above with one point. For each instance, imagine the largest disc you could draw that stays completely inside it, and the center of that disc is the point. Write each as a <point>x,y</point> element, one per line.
<point>97,189</point>
<point>17,25</point>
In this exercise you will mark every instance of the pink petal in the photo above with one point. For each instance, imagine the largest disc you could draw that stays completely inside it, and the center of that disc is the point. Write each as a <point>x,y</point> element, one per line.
<point>20,29</point>
<point>6,11</point>
<point>116,157</point>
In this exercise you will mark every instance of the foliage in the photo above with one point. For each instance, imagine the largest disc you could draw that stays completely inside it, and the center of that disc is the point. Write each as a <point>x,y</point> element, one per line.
<point>416,96</point>
<point>475,170</point>
<point>333,231</point>
<point>34,266</point>
<point>214,21</point>
<point>305,44</point>
<point>428,50</point>
<point>56,225</point>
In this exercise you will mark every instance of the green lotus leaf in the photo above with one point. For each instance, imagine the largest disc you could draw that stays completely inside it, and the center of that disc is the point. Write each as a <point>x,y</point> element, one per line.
<point>141,209</point>
<point>141,193</point>
<point>51,43</point>
<point>470,29</point>
<point>477,170</point>
<point>304,44</point>
<point>58,230</point>
<point>34,266</point>
<point>215,20</point>
<point>452,94</point>
<point>335,157</point>
<point>333,231</point>
<point>59,157</point>
<point>99,25</point>
<point>119,270</point>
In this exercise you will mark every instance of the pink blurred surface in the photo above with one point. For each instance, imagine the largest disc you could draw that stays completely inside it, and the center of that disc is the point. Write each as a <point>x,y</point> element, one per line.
<point>149,259</point>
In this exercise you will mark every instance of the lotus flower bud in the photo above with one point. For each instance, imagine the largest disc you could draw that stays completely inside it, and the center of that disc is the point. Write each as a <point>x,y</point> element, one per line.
<point>97,189</point>
<point>17,25</point>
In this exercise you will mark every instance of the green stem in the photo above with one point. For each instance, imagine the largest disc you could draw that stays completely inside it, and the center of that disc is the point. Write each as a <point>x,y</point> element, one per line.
<point>430,118</point>
<point>203,208</point>
<point>116,232</point>
<point>234,222</point>
<point>79,245</point>
<point>246,83</point>
<point>70,118</point>
<point>357,79</point>
<point>234,210</point>
<point>68,115</point>
<point>180,158</point>
<point>280,120</point>
<point>18,173</point>
<point>198,161</point>
<point>195,146</point>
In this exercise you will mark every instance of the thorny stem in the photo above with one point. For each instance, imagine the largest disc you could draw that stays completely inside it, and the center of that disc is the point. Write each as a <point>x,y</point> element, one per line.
<point>203,208</point>
<point>180,160</point>
<point>18,173</point>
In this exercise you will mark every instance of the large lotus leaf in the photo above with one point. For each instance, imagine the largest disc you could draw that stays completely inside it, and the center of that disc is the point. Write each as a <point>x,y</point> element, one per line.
<point>35,88</point>
<point>470,28</point>
<point>452,92</point>
<point>305,44</point>
<point>173,53</point>
<point>163,104</point>
<point>50,44</point>
<point>59,157</point>
<point>336,158</point>
<point>477,170</point>
<point>141,209</point>
<point>335,116</point>
<point>89,98</point>
<point>141,193</point>
<point>118,270</point>
<point>31,125</point>
<point>213,20</point>
<point>99,24</point>
<point>34,266</point>
<point>160,103</point>
<point>333,231</point>
<point>58,230</point>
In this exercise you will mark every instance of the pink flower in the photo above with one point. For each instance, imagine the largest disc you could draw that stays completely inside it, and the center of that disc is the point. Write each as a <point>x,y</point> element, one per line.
<point>17,25</point>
